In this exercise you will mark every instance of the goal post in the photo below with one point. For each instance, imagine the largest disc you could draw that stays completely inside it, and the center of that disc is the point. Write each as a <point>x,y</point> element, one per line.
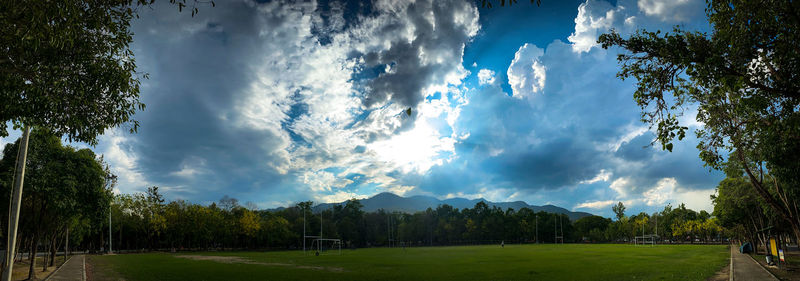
<point>320,245</point>
<point>643,240</point>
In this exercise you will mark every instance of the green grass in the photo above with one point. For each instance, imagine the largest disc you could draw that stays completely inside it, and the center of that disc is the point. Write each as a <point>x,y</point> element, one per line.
<point>514,262</point>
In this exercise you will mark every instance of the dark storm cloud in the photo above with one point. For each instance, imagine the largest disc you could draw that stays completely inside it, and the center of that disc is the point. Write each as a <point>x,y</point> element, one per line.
<point>417,62</point>
<point>199,67</point>
<point>637,149</point>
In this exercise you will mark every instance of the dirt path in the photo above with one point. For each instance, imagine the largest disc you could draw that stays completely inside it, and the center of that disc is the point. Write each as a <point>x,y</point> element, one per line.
<point>234,259</point>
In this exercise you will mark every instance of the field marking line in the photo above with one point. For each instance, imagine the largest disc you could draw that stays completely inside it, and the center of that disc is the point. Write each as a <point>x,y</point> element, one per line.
<point>83,277</point>
<point>57,269</point>
<point>764,268</point>
<point>730,272</point>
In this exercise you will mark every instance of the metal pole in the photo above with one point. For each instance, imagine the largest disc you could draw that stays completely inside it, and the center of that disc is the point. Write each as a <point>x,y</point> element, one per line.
<point>388,233</point>
<point>304,230</point>
<point>110,251</point>
<point>562,229</point>
<point>16,200</point>
<point>66,246</point>
<point>537,229</point>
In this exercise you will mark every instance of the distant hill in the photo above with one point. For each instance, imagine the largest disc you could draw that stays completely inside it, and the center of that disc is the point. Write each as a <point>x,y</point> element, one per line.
<point>392,202</point>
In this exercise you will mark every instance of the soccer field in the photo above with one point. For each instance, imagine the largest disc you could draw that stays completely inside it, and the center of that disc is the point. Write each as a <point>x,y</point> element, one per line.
<point>514,262</point>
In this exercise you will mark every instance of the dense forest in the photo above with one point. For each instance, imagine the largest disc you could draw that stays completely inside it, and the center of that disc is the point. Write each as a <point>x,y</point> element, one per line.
<point>144,221</point>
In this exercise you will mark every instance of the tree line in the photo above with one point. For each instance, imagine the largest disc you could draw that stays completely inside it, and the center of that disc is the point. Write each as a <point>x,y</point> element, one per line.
<point>67,196</point>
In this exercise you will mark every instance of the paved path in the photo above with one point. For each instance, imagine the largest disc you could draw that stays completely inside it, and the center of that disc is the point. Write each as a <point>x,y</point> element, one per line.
<point>73,270</point>
<point>744,268</point>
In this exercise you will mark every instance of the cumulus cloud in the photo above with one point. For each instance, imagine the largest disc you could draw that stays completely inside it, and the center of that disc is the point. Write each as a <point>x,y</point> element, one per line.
<point>527,74</point>
<point>594,17</point>
<point>485,76</point>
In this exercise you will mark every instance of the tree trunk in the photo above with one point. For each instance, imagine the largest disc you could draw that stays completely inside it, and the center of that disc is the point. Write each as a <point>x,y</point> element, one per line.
<point>53,248</point>
<point>783,210</point>
<point>32,257</point>
<point>45,258</point>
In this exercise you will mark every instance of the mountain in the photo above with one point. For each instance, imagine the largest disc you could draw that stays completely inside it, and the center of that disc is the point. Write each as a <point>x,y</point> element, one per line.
<point>394,203</point>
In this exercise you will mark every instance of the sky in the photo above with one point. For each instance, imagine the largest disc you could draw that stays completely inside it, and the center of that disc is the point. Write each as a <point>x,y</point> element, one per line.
<point>277,102</point>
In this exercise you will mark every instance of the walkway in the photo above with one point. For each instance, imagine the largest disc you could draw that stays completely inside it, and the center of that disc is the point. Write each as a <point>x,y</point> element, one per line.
<point>744,268</point>
<point>73,270</point>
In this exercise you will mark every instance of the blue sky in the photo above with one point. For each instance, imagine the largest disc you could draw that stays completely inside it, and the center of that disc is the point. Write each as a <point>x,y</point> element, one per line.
<point>274,103</point>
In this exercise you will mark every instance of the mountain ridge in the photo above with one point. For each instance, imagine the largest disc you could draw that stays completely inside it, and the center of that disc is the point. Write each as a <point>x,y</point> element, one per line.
<point>392,202</point>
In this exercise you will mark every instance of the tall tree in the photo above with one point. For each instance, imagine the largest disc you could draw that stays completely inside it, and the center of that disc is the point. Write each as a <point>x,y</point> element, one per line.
<point>744,78</point>
<point>619,210</point>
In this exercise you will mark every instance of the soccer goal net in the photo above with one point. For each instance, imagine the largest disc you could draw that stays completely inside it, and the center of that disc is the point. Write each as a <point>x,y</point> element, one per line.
<point>327,245</point>
<point>643,240</point>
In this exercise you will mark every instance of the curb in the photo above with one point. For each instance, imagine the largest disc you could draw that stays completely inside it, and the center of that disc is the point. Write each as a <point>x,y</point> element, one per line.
<point>57,269</point>
<point>730,272</point>
<point>764,268</point>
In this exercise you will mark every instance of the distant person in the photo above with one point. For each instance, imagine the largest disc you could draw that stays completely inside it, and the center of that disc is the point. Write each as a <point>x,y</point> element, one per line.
<point>502,244</point>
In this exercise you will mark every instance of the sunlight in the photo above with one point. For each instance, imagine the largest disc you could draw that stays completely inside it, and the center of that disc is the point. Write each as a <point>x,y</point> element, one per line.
<point>415,150</point>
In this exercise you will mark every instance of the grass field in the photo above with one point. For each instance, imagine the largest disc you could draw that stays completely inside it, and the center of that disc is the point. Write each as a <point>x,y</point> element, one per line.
<point>514,262</point>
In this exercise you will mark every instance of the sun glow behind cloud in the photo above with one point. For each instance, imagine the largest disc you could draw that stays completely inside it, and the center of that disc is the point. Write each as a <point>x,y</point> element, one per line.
<point>415,150</point>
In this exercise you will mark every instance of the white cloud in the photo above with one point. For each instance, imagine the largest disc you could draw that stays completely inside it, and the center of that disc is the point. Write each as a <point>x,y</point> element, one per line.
<point>670,10</point>
<point>602,176</point>
<point>321,181</point>
<point>667,190</point>
<point>336,197</point>
<point>663,191</point>
<point>527,74</point>
<point>594,17</point>
<point>485,76</point>
<point>621,186</point>
<point>123,162</point>
<point>595,205</point>
<point>401,189</point>
<point>629,132</point>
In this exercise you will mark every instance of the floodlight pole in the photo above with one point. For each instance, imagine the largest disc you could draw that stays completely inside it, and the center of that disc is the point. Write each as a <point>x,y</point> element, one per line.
<point>388,232</point>
<point>16,200</point>
<point>537,229</point>
<point>562,228</point>
<point>304,230</point>
<point>110,251</point>
<point>656,225</point>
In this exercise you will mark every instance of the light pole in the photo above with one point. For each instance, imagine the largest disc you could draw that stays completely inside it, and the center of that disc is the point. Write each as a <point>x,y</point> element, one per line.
<point>16,200</point>
<point>110,251</point>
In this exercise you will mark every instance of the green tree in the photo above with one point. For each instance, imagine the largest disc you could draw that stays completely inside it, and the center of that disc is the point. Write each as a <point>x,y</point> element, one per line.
<point>591,228</point>
<point>744,79</point>
<point>619,210</point>
<point>65,185</point>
